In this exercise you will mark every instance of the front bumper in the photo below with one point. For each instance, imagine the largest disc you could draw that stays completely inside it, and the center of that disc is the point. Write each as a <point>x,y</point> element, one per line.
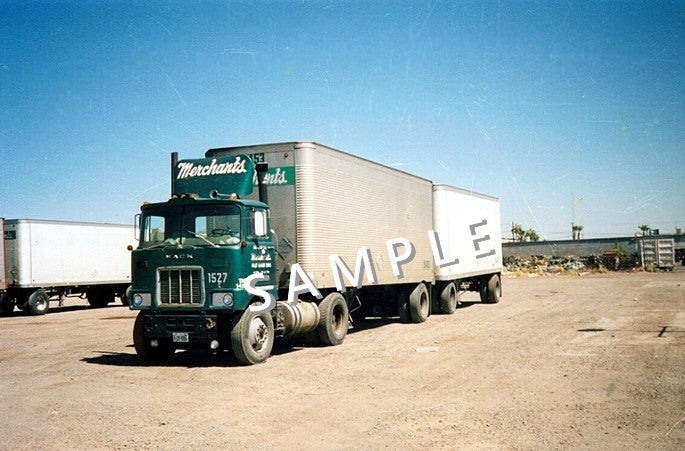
<point>196,329</point>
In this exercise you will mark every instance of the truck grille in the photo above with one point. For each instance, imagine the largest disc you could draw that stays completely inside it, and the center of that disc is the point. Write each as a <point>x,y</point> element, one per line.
<point>180,286</point>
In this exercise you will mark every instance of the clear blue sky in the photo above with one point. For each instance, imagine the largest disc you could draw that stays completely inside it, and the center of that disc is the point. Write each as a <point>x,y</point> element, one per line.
<point>538,103</point>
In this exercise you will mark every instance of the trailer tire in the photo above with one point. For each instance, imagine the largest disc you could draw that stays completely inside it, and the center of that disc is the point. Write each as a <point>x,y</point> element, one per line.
<point>419,304</point>
<point>492,292</point>
<point>99,297</point>
<point>449,299</point>
<point>334,319</point>
<point>403,304</point>
<point>252,337</point>
<point>38,303</point>
<point>144,349</point>
<point>6,305</point>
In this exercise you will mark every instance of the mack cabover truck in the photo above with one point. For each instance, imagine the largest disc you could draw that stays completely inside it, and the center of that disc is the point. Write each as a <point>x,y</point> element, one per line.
<point>297,239</point>
<point>46,260</point>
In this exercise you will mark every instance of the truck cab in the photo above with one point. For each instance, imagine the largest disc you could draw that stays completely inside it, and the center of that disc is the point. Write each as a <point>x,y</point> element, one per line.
<point>195,252</point>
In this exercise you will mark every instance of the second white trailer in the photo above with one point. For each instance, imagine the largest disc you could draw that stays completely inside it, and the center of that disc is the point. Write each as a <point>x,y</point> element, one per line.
<point>468,229</point>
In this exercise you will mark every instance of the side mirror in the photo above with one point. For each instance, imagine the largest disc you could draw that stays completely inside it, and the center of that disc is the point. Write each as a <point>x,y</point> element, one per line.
<point>136,227</point>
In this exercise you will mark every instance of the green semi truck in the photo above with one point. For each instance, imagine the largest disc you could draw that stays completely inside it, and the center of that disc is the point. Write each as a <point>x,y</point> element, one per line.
<point>258,242</point>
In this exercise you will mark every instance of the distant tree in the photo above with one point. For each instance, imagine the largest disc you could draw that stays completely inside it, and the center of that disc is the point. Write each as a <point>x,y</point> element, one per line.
<point>518,233</point>
<point>576,231</point>
<point>531,235</point>
<point>644,228</point>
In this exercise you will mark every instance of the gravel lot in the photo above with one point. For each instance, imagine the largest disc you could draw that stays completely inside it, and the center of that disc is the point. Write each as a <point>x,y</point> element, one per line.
<point>592,361</point>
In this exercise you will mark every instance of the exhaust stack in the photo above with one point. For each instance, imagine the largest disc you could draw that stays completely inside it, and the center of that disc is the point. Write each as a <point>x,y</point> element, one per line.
<point>262,169</point>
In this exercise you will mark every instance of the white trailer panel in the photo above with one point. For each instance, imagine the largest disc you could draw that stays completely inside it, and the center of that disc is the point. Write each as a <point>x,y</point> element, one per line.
<point>3,278</point>
<point>59,253</point>
<point>345,202</point>
<point>468,227</point>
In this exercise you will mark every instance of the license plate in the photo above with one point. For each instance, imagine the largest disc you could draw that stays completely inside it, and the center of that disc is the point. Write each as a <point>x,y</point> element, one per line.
<point>180,337</point>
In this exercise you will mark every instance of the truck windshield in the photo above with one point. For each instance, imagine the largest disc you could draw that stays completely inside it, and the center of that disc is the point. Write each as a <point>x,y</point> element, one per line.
<point>196,225</point>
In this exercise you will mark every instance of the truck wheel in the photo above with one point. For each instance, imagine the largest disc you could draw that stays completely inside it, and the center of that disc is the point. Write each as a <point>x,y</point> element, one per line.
<point>252,337</point>
<point>6,305</point>
<point>449,298</point>
<point>99,297</point>
<point>419,304</point>
<point>144,348</point>
<point>403,304</point>
<point>38,303</point>
<point>492,292</point>
<point>334,320</point>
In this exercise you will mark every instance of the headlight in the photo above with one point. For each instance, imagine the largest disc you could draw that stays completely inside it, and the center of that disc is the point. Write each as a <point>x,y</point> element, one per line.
<point>222,299</point>
<point>137,300</point>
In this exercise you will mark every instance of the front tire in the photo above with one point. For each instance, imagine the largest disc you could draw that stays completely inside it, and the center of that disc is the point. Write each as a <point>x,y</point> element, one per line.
<point>144,348</point>
<point>38,303</point>
<point>334,319</point>
<point>252,337</point>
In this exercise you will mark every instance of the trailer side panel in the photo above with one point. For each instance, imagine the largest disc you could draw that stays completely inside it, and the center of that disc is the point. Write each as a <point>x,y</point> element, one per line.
<point>468,226</point>
<point>3,258</point>
<point>345,203</point>
<point>324,201</point>
<point>61,253</point>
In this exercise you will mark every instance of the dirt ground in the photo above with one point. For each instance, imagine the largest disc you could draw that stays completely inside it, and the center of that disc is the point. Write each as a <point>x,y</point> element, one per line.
<point>593,361</point>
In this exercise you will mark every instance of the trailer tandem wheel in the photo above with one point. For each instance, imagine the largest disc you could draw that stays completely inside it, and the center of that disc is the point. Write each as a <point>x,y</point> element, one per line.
<point>6,305</point>
<point>449,298</point>
<point>99,297</point>
<point>38,303</point>
<point>419,303</point>
<point>491,292</point>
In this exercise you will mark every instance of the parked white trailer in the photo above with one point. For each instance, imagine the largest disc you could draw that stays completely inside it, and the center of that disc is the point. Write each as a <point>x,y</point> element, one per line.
<point>657,252</point>
<point>51,259</point>
<point>468,226</point>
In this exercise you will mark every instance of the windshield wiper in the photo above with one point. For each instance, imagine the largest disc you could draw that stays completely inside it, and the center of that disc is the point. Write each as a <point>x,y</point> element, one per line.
<point>165,244</point>
<point>202,237</point>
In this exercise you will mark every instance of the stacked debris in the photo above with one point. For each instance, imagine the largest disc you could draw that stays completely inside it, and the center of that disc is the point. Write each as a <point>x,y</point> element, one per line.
<point>616,259</point>
<point>545,265</point>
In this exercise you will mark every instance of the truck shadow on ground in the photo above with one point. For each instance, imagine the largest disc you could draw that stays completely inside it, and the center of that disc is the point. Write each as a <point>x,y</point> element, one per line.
<point>191,358</point>
<point>201,358</point>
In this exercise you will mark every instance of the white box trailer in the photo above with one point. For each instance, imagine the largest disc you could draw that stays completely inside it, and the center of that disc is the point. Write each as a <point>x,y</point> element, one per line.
<point>468,227</point>
<point>324,202</point>
<point>45,259</point>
